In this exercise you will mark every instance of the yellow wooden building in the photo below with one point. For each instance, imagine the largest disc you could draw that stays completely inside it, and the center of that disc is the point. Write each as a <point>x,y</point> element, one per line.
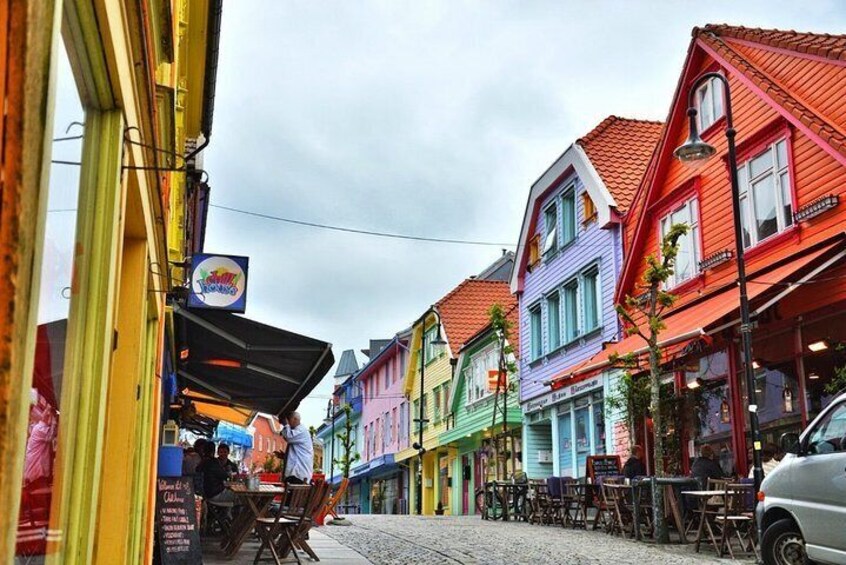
<point>104,100</point>
<point>455,318</point>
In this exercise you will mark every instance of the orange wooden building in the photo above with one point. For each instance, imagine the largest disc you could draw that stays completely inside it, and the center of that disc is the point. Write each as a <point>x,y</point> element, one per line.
<point>787,92</point>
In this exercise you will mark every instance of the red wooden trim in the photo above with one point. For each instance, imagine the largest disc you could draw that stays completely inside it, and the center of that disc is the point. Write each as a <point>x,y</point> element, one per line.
<point>711,130</point>
<point>788,52</point>
<point>657,167</point>
<point>693,283</point>
<point>748,83</point>
<point>765,136</point>
<point>800,373</point>
<point>766,245</point>
<point>685,191</point>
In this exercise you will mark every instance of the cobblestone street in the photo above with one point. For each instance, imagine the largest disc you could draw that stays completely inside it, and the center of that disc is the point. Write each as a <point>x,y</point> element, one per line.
<point>436,540</point>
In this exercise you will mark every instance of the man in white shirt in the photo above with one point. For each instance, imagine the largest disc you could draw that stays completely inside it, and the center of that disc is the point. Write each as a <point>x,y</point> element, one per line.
<point>300,451</point>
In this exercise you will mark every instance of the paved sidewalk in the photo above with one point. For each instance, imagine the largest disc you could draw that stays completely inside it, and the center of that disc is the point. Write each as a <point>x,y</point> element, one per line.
<point>330,551</point>
<point>400,540</point>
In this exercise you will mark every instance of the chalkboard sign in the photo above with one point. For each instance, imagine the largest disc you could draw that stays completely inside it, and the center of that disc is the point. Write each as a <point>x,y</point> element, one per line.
<point>176,521</point>
<point>602,466</point>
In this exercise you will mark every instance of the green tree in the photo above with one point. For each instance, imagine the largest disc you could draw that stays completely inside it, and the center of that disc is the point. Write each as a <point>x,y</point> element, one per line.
<point>347,442</point>
<point>501,327</point>
<point>643,315</point>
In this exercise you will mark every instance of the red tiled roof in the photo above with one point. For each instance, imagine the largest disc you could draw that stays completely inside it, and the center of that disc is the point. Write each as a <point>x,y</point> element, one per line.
<point>826,46</point>
<point>819,44</point>
<point>513,317</point>
<point>620,150</point>
<point>464,311</point>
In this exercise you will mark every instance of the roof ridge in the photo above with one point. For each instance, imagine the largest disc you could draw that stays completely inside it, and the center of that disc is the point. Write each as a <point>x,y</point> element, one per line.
<point>797,107</point>
<point>780,38</point>
<point>464,283</point>
<point>607,122</point>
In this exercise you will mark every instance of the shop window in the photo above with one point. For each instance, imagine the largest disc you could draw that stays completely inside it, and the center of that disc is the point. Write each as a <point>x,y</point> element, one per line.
<point>54,307</point>
<point>766,199</point>
<point>824,362</point>
<point>709,103</point>
<point>687,260</point>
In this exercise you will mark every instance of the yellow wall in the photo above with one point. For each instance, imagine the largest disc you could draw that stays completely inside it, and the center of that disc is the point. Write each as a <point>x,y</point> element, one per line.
<point>436,372</point>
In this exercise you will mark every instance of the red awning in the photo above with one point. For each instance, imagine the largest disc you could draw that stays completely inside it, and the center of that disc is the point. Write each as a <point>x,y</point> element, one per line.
<point>696,320</point>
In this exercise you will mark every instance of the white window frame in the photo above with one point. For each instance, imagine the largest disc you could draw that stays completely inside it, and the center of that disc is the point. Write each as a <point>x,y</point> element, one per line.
<point>553,345</point>
<point>566,337</point>
<point>476,374</point>
<point>598,292</point>
<point>551,236</point>
<point>569,192</point>
<point>664,225</point>
<point>533,332</point>
<point>712,93</point>
<point>747,195</point>
<point>431,349</point>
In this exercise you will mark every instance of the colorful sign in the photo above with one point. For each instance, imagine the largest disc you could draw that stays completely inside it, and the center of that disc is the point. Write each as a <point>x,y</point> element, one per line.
<point>219,282</point>
<point>494,382</point>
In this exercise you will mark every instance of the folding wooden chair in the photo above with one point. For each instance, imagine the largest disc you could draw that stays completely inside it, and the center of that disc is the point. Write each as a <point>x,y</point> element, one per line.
<point>329,509</point>
<point>285,522</point>
<point>300,537</point>
<point>737,520</point>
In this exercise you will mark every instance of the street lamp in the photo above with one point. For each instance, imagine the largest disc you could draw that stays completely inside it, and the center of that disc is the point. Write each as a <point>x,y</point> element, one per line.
<point>330,419</point>
<point>694,152</point>
<point>418,445</point>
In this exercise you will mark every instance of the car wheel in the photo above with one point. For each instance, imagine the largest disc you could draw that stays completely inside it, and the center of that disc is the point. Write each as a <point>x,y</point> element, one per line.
<point>783,544</point>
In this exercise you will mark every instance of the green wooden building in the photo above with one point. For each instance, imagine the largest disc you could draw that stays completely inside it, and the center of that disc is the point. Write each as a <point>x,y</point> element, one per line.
<point>477,450</point>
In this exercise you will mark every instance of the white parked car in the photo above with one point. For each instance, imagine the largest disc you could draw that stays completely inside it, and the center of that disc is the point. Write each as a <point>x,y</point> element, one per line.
<point>802,513</point>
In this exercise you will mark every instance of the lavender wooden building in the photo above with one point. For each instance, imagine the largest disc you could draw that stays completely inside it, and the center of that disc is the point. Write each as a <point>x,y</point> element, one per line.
<point>565,273</point>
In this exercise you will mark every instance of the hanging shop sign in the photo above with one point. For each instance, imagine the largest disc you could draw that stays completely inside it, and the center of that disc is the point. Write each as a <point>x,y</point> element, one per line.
<point>219,282</point>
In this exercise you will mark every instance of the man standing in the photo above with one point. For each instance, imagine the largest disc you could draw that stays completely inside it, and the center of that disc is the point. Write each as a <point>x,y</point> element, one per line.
<point>300,451</point>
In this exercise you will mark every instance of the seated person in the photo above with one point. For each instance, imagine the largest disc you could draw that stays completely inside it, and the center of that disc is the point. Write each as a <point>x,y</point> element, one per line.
<point>634,466</point>
<point>215,474</point>
<point>706,467</point>
<point>768,460</point>
<point>223,456</point>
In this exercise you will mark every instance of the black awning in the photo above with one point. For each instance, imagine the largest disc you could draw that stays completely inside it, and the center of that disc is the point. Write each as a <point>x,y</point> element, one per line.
<point>245,363</point>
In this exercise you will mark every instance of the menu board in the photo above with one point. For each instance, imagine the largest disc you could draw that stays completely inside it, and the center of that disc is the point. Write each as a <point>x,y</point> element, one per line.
<point>176,521</point>
<point>602,466</point>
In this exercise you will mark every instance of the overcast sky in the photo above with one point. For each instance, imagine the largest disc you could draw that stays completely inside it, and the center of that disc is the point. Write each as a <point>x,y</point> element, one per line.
<point>426,118</point>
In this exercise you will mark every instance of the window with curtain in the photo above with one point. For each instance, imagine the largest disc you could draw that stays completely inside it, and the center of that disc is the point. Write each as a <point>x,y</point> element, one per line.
<point>709,103</point>
<point>766,200</point>
<point>550,224</point>
<point>687,260</point>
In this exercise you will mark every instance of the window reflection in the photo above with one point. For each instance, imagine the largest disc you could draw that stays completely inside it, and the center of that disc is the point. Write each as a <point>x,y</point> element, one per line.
<point>53,310</point>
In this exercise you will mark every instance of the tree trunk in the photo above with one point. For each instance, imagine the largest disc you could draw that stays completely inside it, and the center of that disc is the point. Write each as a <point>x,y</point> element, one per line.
<point>661,533</point>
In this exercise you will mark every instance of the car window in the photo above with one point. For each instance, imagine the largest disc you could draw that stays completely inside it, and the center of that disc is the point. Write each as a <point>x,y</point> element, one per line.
<point>830,433</point>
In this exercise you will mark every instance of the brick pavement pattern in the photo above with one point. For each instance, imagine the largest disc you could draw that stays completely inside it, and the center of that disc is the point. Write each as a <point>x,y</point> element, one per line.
<point>389,540</point>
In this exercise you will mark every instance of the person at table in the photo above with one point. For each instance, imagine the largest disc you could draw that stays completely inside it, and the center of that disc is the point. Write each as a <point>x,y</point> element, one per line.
<point>300,451</point>
<point>635,466</point>
<point>768,460</point>
<point>215,475</point>
<point>706,467</point>
<point>193,457</point>
<point>223,457</point>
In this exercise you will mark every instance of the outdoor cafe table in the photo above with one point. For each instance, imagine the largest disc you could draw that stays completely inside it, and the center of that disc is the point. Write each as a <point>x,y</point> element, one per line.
<point>671,502</point>
<point>253,503</point>
<point>704,496</point>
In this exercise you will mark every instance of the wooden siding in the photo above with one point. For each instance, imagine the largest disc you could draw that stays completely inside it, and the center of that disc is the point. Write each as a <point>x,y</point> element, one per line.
<point>593,245</point>
<point>815,173</point>
<point>479,416</point>
<point>537,437</point>
<point>385,400</point>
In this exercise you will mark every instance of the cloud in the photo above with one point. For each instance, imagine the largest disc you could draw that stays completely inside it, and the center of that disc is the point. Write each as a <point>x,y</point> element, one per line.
<point>429,118</point>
